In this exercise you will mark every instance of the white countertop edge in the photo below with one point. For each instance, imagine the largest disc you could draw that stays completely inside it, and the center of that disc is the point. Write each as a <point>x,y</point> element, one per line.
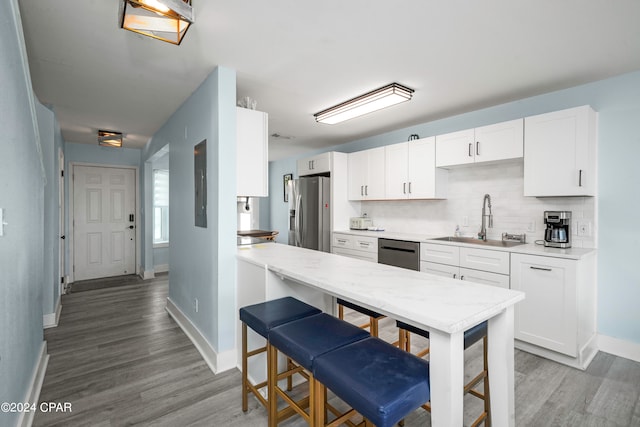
<point>527,248</point>
<point>481,302</point>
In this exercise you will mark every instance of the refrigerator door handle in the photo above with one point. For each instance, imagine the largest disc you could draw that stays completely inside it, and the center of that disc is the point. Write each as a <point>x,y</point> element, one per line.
<point>298,222</point>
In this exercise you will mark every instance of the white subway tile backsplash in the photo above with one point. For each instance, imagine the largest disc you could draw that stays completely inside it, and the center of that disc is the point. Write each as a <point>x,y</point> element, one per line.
<point>467,186</point>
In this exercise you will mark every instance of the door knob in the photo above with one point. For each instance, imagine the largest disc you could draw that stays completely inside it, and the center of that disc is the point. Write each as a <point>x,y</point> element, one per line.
<point>131,227</point>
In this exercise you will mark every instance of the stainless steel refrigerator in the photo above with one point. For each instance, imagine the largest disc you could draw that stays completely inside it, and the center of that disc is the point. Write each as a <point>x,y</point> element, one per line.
<point>309,213</point>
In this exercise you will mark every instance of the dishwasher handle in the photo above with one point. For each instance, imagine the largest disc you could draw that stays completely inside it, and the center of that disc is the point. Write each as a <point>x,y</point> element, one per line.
<point>395,248</point>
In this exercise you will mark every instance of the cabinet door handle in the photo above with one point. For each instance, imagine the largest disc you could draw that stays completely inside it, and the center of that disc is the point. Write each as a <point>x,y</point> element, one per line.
<point>454,275</point>
<point>409,188</point>
<point>366,190</point>
<point>539,268</point>
<point>461,277</point>
<point>342,241</point>
<point>470,153</point>
<point>404,187</point>
<point>477,148</point>
<point>580,178</point>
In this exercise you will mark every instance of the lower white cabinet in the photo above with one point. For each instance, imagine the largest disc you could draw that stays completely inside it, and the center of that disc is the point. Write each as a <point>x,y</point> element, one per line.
<point>475,265</point>
<point>558,312</point>
<point>353,246</point>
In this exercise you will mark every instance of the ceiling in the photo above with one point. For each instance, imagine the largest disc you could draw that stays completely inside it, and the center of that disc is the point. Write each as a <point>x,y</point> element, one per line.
<point>297,58</point>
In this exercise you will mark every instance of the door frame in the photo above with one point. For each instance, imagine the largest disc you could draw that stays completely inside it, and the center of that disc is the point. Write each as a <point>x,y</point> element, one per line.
<point>61,225</point>
<point>138,221</point>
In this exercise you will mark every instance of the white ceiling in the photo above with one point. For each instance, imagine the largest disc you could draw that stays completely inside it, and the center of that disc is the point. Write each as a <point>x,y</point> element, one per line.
<point>297,58</point>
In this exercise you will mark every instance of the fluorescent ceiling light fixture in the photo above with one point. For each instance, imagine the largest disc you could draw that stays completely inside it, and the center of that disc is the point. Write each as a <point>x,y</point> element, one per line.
<point>375,100</point>
<point>109,138</point>
<point>166,20</point>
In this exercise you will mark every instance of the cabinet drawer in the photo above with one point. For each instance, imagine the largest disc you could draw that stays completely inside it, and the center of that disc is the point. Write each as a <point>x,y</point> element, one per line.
<point>484,278</point>
<point>443,270</point>
<point>342,241</point>
<point>485,260</point>
<point>441,254</point>
<point>359,243</point>
<point>367,244</point>
<point>352,253</point>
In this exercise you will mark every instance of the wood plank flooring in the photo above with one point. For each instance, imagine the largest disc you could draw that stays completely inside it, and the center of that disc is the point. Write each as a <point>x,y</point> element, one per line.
<point>119,359</point>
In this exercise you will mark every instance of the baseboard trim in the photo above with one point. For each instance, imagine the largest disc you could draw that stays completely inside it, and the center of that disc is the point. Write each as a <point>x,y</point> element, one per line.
<point>617,347</point>
<point>147,275</point>
<point>217,362</point>
<point>51,320</point>
<point>162,268</point>
<point>33,394</point>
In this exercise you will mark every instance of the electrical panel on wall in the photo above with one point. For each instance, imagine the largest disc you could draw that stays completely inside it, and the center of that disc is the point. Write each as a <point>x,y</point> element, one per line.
<point>200,180</point>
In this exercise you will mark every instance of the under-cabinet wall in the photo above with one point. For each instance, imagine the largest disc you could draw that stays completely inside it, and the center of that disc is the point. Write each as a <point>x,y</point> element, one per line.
<point>512,212</point>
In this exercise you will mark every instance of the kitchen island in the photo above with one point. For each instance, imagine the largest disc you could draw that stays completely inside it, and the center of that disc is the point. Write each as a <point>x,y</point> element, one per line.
<point>445,307</point>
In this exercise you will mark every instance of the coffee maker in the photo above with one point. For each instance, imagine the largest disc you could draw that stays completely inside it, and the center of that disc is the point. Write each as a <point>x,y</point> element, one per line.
<point>558,229</point>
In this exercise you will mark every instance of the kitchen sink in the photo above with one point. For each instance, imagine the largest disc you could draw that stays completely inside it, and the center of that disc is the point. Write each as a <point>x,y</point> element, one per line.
<point>474,241</point>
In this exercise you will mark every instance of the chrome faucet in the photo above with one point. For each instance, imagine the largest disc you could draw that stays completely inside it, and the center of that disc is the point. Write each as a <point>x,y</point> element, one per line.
<point>483,230</point>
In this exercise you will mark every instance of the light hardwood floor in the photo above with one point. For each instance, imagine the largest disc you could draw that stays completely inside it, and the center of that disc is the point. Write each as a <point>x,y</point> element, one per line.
<point>119,359</point>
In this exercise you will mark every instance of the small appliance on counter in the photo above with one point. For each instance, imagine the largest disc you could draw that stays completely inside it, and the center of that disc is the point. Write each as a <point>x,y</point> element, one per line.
<point>360,223</point>
<point>558,229</point>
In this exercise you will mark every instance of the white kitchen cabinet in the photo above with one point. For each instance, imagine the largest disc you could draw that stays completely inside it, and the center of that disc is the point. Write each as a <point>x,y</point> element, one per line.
<point>366,174</point>
<point>475,265</point>
<point>353,246</point>
<point>485,260</point>
<point>558,312</point>
<point>444,270</point>
<point>560,153</point>
<point>252,155</point>
<point>315,165</point>
<point>484,277</point>
<point>500,141</point>
<point>411,173</point>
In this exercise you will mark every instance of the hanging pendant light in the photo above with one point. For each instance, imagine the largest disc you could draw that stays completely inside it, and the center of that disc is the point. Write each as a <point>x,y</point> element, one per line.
<point>166,20</point>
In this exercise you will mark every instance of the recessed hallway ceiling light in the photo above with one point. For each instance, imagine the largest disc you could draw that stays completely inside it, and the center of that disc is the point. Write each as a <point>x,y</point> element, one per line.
<point>166,20</point>
<point>372,101</point>
<point>109,138</point>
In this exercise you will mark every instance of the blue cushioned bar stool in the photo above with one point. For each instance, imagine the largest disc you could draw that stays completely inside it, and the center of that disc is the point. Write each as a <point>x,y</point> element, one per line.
<point>471,336</point>
<point>304,341</point>
<point>261,318</point>
<point>378,380</point>
<point>374,317</point>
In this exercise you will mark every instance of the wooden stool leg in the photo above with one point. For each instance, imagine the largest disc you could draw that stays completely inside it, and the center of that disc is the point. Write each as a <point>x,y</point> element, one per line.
<point>319,411</point>
<point>487,401</point>
<point>245,388</point>
<point>272,374</point>
<point>340,312</point>
<point>290,377</point>
<point>373,326</point>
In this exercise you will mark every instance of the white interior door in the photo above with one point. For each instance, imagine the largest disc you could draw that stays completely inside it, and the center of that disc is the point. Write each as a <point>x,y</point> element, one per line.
<point>104,222</point>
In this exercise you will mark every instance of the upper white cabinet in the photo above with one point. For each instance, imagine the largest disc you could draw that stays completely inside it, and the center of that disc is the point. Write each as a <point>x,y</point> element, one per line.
<point>500,141</point>
<point>314,165</point>
<point>252,155</point>
<point>366,174</point>
<point>560,153</point>
<point>410,171</point>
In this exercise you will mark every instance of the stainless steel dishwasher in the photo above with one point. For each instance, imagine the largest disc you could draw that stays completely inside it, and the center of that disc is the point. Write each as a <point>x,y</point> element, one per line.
<point>400,253</point>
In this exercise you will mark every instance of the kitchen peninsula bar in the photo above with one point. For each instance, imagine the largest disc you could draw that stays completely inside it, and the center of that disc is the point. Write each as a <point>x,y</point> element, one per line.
<point>445,307</point>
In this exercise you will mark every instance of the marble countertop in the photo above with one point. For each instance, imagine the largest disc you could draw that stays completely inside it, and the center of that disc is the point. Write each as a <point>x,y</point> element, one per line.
<point>528,248</point>
<point>420,299</point>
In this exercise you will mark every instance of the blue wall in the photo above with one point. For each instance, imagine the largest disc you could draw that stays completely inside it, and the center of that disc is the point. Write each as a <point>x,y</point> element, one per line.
<point>202,260</point>
<point>618,102</point>
<point>22,181</point>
